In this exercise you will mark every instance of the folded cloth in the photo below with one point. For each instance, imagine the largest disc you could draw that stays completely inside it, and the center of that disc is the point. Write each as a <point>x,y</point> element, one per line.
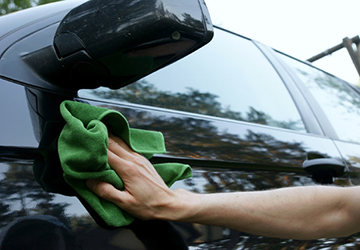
<point>82,148</point>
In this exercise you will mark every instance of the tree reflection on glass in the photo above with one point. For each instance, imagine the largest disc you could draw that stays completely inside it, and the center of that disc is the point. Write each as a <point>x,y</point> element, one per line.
<point>202,139</point>
<point>335,87</point>
<point>194,101</point>
<point>339,101</point>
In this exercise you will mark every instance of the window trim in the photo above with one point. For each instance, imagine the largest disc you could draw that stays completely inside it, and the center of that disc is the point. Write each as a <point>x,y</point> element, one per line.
<point>323,119</point>
<point>304,106</point>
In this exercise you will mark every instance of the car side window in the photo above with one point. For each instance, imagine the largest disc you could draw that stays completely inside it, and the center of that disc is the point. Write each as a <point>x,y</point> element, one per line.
<point>339,101</point>
<point>228,78</point>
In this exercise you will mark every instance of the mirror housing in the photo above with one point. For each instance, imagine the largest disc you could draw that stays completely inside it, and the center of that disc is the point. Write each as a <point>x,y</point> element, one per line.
<point>115,42</point>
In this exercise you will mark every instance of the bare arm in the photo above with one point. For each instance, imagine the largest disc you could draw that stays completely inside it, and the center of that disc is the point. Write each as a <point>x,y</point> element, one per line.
<point>299,212</point>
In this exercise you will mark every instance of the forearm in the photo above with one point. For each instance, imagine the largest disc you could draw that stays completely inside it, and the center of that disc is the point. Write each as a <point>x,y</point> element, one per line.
<point>301,212</point>
<point>298,213</point>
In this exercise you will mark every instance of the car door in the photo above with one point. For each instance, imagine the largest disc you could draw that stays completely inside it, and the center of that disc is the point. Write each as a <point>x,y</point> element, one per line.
<point>340,105</point>
<point>240,121</point>
<point>231,105</point>
<point>229,110</point>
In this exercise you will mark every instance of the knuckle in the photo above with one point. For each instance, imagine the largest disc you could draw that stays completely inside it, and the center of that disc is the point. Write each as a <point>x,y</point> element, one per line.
<point>105,191</point>
<point>138,162</point>
<point>132,169</point>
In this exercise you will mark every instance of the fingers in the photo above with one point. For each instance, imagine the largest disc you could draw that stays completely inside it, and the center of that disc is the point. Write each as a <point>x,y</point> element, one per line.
<point>119,154</point>
<point>124,160</point>
<point>117,163</point>
<point>140,180</point>
<point>119,141</point>
<point>119,147</point>
<point>107,191</point>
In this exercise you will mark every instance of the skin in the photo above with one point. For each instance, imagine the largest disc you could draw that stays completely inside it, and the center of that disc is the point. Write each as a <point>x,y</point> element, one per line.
<point>310,212</point>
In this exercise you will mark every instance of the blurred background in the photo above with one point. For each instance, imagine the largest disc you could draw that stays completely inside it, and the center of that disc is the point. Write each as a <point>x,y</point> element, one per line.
<point>301,29</point>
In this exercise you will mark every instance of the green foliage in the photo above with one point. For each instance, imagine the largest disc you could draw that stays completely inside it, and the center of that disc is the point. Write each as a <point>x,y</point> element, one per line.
<point>9,6</point>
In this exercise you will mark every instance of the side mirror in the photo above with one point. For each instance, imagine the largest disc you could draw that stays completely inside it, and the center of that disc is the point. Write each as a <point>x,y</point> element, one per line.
<point>115,42</point>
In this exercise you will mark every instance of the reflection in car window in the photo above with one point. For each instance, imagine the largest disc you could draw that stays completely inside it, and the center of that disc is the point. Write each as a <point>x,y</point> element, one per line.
<point>228,78</point>
<point>340,103</point>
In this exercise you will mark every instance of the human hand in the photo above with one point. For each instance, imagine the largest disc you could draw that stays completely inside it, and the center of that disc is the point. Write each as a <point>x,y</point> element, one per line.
<point>145,194</point>
<point>272,213</point>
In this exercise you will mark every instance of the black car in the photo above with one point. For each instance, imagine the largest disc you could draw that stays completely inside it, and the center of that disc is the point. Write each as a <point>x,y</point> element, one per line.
<point>243,115</point>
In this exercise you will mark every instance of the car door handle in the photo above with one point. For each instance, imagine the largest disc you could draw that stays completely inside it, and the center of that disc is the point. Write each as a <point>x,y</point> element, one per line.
<point>323,170</point>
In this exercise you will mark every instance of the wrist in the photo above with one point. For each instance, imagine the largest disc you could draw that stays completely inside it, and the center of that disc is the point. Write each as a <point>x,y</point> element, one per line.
<point>182,206</point>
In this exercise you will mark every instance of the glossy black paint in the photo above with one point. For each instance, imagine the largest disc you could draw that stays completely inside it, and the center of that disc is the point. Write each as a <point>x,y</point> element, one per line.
<point>215,141</point>
<point>68,225</point>
<point>126,40</point>
<point>226,155</point>
<point>221,141</point>
<point>108,43</point>
<point>41,21</point>
<point>351,154</point>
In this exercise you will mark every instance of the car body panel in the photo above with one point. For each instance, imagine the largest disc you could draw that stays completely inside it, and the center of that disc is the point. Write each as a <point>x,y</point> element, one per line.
<point>226,155</point>
<point>32,19</point>
<point>351,154</point>
<point>72,227</point>
<point>221,140</point>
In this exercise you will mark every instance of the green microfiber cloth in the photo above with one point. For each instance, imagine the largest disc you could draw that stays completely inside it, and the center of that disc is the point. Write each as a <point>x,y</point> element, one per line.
<point>82,148</point>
